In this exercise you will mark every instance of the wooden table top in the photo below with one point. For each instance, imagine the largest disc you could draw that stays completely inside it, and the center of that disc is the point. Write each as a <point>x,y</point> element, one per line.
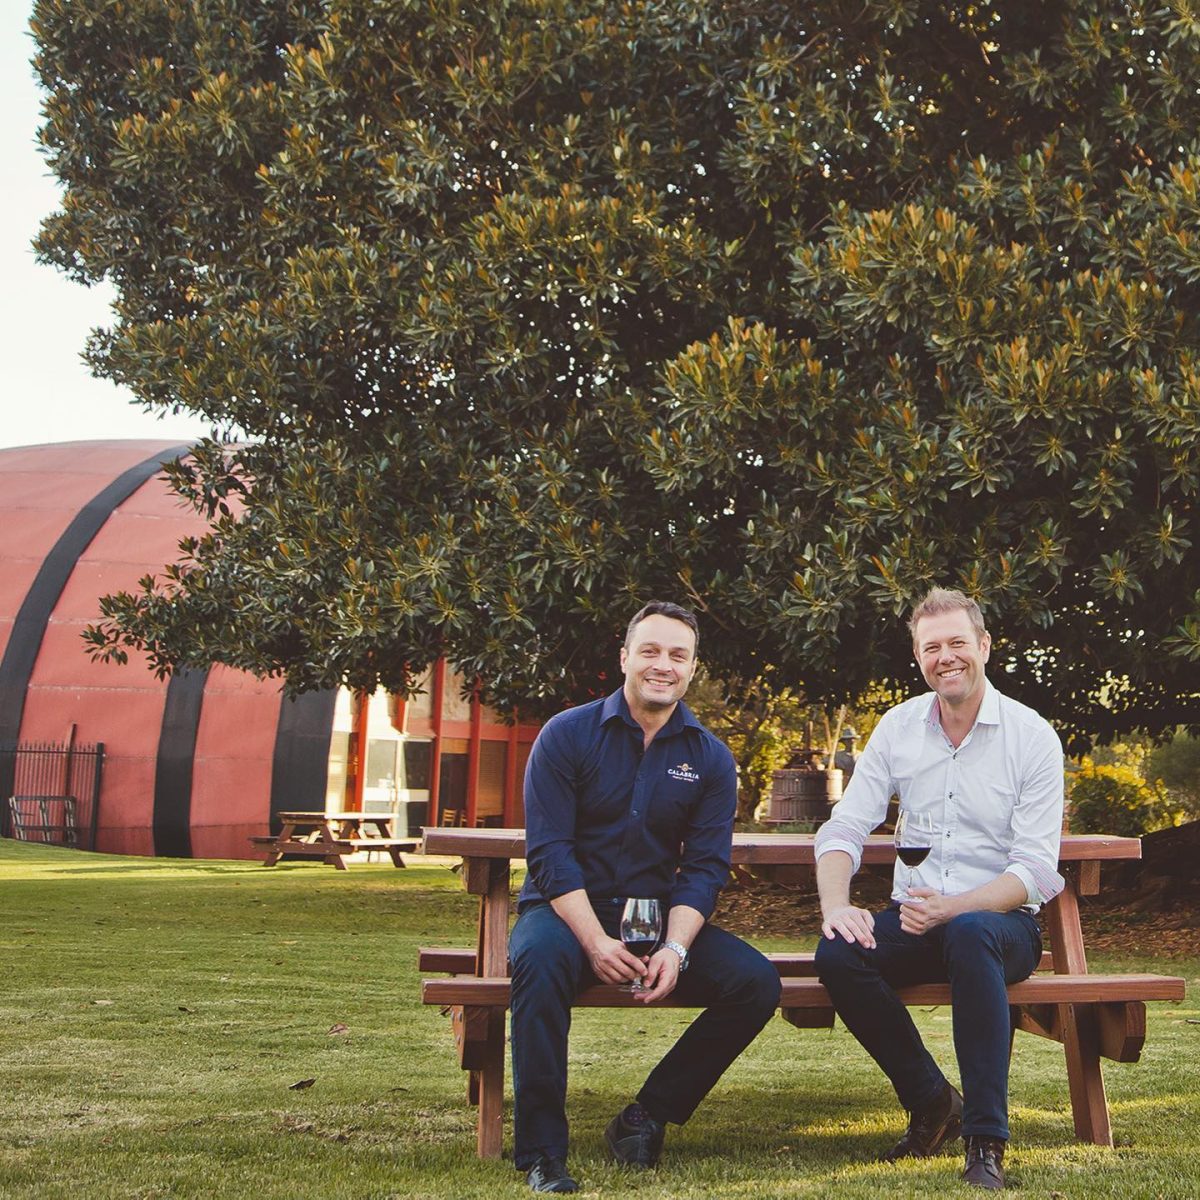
<point>761,847</point>
<point>316,818</point>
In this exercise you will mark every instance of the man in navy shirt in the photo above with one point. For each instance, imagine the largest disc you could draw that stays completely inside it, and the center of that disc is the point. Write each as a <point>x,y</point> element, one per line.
<point>628,796</point>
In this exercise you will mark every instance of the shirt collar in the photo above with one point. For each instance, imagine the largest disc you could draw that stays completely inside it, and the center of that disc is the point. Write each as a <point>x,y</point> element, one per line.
<point>989,708</point>
<point>616,705</point>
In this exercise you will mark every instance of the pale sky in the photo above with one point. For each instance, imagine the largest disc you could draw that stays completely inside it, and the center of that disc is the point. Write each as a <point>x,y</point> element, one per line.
<point>48,394</point>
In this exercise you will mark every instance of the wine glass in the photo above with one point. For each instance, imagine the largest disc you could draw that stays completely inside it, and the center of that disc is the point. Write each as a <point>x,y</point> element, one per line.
<point>915,832</point>
<point>641,928</point>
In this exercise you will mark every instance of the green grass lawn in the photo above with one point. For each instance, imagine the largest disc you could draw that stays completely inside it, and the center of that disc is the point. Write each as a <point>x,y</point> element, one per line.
<point>156,1012</point>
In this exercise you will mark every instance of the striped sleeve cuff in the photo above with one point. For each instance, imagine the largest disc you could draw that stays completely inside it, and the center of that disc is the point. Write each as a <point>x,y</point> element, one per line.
<point>1042,883</point>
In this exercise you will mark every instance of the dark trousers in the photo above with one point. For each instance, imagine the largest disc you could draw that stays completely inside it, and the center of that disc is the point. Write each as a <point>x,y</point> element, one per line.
<point>738,986</point>
<point>979,953</point>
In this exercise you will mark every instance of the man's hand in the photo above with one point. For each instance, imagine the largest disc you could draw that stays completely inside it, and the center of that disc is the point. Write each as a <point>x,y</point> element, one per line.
<point>927,910</point>
<point>612,963</point>
<point>854,924</point>
<point>662,975</point>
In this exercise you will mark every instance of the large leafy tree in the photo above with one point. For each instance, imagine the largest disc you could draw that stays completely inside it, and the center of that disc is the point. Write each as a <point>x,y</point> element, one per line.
<point>531,310</point>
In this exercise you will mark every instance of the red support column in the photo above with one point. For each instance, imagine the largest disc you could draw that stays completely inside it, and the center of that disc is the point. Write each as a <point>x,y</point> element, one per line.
<point>437,694</point>
<point>362,711</point>
<point>399,713</point>
<point>511,782</point>
<point>474,738</point>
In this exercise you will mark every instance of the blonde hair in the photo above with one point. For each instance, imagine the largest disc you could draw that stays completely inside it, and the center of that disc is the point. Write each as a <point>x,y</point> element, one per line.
<point>944,600</point>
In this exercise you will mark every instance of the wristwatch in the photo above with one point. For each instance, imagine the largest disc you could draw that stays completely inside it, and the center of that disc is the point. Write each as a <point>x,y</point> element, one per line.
<point>681,951</point>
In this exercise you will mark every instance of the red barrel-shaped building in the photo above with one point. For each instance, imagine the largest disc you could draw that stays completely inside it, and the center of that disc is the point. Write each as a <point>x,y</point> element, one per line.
<point>196,764</point>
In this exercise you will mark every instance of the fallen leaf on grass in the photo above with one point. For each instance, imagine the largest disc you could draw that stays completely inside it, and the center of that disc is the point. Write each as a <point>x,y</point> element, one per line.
<point>301,1085</point>
<point>104,1002</point>
<point>338,1028</point>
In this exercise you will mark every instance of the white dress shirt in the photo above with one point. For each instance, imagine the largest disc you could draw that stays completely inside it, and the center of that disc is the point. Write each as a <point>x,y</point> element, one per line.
<point>996,800</point>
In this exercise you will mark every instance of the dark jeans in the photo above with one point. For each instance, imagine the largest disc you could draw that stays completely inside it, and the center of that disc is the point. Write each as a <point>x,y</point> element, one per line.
<point>737,984</point>
<point>979,953</point>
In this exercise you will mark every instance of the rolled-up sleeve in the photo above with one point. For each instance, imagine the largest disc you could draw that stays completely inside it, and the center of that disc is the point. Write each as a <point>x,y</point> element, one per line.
<point>705,863</point>
<point>1037,820</point>
<point>550,815</point>
<point>865,803</point>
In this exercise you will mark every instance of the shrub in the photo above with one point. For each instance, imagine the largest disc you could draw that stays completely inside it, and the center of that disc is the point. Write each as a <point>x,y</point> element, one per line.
<point>1177,764</point>
<point>1116,799</point>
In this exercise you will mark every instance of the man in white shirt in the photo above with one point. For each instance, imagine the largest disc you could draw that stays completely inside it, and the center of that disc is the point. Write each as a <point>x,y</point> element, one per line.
<point>990,773</point>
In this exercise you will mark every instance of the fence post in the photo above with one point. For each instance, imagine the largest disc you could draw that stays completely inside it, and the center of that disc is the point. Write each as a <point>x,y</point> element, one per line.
<point>8,761</point>
<point>97,769</point>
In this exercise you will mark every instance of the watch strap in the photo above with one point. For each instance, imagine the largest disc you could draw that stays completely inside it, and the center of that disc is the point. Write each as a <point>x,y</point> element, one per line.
<point>679,950</point>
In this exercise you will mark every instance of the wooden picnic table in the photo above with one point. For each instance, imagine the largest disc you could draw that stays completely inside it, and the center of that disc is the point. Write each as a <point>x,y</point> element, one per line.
<point>1105,1014</point>
<point>332,836</point>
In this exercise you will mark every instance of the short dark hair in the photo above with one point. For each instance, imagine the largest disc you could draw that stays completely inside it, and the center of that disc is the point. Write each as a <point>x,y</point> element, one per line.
<point>664,608</point>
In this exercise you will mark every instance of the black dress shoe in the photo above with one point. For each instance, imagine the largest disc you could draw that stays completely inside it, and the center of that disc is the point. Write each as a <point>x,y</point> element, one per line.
<point>550,1175</point>
<point>635,1144</point>
<point>985,1163</point>
<point>930,1128</point>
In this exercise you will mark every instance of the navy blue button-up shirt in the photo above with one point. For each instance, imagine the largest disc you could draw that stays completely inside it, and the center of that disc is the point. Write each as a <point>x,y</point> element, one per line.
<point>604,816</point>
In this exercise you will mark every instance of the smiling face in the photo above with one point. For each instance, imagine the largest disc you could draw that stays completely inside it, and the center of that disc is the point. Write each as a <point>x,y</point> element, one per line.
<point>951,656</point>
<point>658,660</point>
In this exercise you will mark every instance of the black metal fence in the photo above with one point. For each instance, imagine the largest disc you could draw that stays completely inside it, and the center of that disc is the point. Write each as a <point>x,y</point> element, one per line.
<point>45,776</point>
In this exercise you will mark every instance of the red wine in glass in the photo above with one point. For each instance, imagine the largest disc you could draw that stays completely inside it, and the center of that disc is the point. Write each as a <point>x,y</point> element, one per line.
<point>641,929</point>
<point>641,949</point>
<point>915,832</point>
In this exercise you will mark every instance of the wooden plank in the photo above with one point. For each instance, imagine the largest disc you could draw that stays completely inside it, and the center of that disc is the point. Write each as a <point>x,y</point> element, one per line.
<point>493,949</point>
<point>322,849</point>
<point>460,960</point>
<point>477,875</point>
<point>792,848</point>
<point>1121,1026</point>
<point>470,1026</point>
<point>1042,1020</point>
<point>1122,1029</point>
<point>489,1128</point>
<point>374,843</point>
<point>1080,1033</point>
<point>808,1018</point>
<point>1080,990</point>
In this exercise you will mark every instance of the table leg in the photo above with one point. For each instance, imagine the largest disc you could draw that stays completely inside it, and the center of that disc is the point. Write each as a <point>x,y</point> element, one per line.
<point>285,835</point>
<point>490,1129</point>
<point>488,879</point>
<point>1081,1037</point>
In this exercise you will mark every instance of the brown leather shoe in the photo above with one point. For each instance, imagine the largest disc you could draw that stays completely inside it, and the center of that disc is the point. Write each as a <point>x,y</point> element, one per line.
<point>985,1163</point>
<point>930,1128</point>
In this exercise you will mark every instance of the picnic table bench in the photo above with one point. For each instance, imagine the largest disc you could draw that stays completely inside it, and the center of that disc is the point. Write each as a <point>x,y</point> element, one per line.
<point>332,836</point>
<point>1093,1016</point>
<point>50,819</point>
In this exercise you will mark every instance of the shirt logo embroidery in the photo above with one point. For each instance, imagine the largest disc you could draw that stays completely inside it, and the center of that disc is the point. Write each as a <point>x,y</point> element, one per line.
<point>685,772</point>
